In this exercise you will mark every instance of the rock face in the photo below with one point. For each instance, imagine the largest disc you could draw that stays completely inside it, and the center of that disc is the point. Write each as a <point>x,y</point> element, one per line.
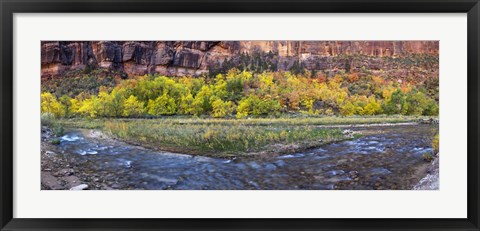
<point>179,58</point>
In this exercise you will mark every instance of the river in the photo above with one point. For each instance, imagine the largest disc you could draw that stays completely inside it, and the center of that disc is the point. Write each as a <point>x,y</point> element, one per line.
<point>385,157</point>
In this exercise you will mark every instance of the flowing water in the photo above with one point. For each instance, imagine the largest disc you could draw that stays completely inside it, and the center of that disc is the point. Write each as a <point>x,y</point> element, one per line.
<point>388,157</point>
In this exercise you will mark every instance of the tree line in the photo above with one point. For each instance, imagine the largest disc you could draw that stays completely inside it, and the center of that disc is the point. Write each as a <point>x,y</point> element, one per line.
<point>243,94</point>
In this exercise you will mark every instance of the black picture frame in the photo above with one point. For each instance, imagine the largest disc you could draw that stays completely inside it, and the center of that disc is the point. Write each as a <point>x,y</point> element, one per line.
<point>9,7</point>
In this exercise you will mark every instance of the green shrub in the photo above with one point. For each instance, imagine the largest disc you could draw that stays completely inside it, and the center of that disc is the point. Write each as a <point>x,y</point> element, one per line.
<point>427,157</point>
<point>55,141</point>
<point>47,119</point>
<point>58,130</point>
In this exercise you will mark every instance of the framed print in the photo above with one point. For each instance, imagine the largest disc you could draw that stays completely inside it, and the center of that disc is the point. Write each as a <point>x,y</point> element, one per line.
<point>239,115</point>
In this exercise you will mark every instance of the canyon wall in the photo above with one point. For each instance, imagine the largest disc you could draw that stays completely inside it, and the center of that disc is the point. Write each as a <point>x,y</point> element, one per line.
<point>179,58</point>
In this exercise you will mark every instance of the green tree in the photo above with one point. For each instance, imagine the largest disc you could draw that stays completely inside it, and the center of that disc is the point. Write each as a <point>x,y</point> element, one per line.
<point>115,104</point>
<point>253,105</point>
<point>265,106</point>
<point>396,104</point>
<point>65,100</point>
<point>234,87</point>
<point>162,105</point>
<point>417,102</point>
<point>201,103</point>
<point>431,109</point>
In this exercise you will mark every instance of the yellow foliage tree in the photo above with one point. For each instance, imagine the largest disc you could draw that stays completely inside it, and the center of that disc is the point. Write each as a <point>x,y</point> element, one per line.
<point>104,100</point>
<point>373,107</point>
<point>132,107</point>
<point>75,105</point>
<point>221,108</point>
<point>220,87</point>
<point>186,107</point>
<point>49,103</point>
<point>347,109</point>
<point>90,107</point>
<point>243,109</point>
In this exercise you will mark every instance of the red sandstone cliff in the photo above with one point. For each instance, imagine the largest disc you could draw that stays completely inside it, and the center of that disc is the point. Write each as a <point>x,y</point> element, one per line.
<point>194,57</point>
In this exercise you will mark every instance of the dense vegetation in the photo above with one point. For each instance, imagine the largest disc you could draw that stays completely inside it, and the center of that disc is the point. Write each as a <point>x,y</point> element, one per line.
<point>220,139</point>
<point>239,94</point>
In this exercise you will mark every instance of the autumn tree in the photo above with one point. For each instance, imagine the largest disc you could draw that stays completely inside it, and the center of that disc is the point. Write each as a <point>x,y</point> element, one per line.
<point>132,107</point>
<point>222,108</point>
<point>186,105</point>
<point>249,93</point>
<point>49,103</point>
<point>90,107</point>
<point>162,105</point>
<point>201,103</point>
<point>373,107</point>
<point>347,109</point>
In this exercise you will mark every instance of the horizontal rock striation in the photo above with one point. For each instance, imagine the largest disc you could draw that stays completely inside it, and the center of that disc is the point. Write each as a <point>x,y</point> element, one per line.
<point>179,58</point>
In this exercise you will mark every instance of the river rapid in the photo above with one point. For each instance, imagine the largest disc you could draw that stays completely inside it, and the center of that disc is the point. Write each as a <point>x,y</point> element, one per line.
<point>385,157</point>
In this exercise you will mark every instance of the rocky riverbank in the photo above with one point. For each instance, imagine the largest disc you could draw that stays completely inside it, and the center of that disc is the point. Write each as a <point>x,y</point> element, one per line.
<point>56,170</point>
<point>61,172</point>
<point>432,180</point>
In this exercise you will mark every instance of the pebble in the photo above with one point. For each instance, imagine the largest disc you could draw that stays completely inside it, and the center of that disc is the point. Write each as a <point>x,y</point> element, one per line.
<point>270,167</point>
<point>80,187</point>
<point>115,186</point>
<point>279,163</point>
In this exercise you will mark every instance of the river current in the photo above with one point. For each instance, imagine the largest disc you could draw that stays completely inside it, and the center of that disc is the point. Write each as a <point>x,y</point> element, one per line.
<point>385,157</point>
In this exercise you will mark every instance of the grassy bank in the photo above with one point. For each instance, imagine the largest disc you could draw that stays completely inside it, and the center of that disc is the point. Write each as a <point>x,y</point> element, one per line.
<point>297,120</point>
<point>229,137</point>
